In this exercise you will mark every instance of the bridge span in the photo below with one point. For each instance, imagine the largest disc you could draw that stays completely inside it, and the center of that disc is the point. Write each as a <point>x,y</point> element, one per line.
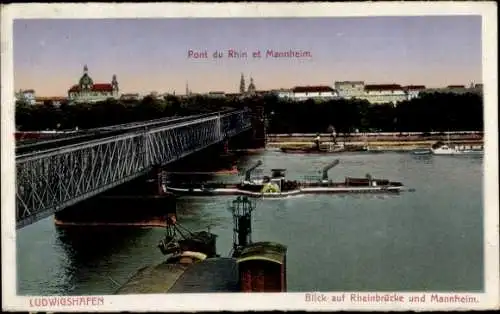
<point>51,178</point>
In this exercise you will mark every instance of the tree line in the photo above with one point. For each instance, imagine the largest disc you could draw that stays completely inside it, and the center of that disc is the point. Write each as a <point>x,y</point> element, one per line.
<point>433,112</point>
<point>430,112</point>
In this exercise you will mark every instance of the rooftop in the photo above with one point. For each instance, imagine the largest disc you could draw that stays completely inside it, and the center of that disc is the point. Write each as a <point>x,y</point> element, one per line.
<point>95,88</point>
<point>312,89</point>
<point>381,87</point>
<point>263,251</point>
<point>349,82</point>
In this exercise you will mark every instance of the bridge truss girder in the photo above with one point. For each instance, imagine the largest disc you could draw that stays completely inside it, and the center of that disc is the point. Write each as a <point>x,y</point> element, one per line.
<point>50,181</point>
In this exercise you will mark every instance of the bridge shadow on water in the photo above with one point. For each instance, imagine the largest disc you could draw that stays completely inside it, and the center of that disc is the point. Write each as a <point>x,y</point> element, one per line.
<point>86,245</point>
<point>94,257</point>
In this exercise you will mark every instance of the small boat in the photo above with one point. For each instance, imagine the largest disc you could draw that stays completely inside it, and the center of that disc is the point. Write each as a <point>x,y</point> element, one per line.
<point>420,152</point>
<point>456,150</point>
<point>447,148</point>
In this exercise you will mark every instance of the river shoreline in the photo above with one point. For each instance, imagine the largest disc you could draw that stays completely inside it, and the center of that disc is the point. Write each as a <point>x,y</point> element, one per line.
<point>372,146</point>
<point>377,141</point>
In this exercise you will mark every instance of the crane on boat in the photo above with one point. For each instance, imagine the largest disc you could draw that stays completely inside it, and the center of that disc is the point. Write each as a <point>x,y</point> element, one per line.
<point>248,172</point>
<point>327,168</point>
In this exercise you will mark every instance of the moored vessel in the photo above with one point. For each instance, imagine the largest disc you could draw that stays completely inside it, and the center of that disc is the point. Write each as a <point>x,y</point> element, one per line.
<point>276,185</point>
<point>192,264</point>
<point>420,152</point>
<point>317,148</point>
<point>448,149</point>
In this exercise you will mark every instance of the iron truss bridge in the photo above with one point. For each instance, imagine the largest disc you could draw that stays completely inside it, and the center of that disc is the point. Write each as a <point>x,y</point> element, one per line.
<point>55,178</point>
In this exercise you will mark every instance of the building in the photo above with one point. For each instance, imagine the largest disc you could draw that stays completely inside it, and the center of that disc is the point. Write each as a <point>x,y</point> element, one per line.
<point>263,92</point>
<point>413,91</point>
<point>384,93</point>
<point>313,92</point>
<point>216,94</point>
<point>251,87</point>
<point>350,89</point>
<point>242,84</point>
<point>283,93</point>
<point>54,101</point>
<point>27,96</point>
<point>88,91</point>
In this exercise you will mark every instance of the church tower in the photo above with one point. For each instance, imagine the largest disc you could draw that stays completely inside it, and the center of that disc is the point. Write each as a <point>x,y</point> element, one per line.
<point>251,87</point>
<point>242,84</point>
<point>187,89</point>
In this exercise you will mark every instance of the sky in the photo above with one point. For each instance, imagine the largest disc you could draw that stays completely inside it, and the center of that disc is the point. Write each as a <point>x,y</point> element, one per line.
<point>152,54</point>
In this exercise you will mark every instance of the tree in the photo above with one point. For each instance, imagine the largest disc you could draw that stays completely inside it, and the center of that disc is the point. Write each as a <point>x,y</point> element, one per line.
<point>431,111</point>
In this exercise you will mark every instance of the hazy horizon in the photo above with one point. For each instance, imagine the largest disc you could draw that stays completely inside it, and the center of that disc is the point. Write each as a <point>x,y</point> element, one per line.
<point>152,54</point>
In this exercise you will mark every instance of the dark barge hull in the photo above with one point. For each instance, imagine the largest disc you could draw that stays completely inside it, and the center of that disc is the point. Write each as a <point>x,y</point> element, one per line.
<point>345,149</point>
<point>311,189</point>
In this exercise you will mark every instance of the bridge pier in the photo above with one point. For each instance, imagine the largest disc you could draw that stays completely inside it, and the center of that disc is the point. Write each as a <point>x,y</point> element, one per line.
<point>142,203</point>
<point>254,138</point>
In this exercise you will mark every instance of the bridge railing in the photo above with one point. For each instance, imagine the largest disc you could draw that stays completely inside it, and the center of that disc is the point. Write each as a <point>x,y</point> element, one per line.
<point>49,181</point>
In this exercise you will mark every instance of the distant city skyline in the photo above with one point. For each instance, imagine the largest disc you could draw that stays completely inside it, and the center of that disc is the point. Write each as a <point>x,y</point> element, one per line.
<point>152,54</point>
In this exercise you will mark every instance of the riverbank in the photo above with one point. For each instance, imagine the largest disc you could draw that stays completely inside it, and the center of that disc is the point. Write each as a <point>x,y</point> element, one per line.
<point>373,146</point>
<point>377,141</point>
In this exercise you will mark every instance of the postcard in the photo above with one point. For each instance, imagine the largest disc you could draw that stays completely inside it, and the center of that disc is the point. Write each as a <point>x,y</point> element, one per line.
<point>205,157</point>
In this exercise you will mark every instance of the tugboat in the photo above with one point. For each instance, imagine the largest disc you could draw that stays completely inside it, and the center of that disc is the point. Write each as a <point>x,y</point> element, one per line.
<point>277,186</point>
<point>192,264</point>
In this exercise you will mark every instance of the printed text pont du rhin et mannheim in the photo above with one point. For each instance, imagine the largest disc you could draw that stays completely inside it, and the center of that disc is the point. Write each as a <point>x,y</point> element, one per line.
<point>242,54</point>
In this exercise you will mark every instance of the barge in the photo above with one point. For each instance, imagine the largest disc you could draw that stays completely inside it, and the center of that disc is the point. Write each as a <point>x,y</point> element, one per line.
<point>193,266</point>
<point>317,148</point>
<point>277,186</point>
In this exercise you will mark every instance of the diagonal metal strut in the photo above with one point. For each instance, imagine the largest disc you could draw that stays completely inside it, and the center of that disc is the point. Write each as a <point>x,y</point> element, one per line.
<point>51,180</point>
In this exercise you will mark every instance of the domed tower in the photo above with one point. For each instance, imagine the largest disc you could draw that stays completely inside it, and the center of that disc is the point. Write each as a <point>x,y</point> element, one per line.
<point>251,87</point>
<point>86,82</point>
<point>242,84</point>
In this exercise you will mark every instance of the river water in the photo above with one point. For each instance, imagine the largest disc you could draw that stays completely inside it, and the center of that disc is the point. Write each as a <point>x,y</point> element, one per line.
<point>429,239</point>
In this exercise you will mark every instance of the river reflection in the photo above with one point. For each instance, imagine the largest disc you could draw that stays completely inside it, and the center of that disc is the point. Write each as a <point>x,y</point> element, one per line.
<point>430,239</point>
